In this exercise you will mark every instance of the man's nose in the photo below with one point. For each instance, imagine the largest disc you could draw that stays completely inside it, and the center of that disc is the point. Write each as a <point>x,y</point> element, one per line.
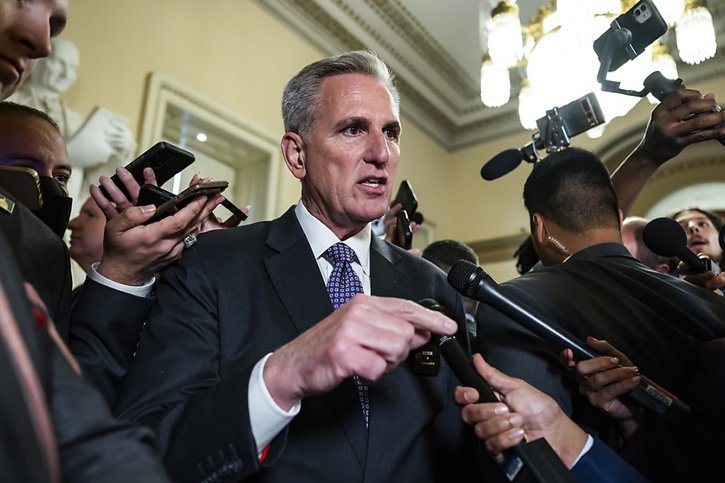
<point>34,35</point>
<point>378,150</point>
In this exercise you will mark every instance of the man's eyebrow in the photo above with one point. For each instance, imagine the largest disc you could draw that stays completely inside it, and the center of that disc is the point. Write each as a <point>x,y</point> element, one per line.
<point>359,120</point>
<point>67,167</point>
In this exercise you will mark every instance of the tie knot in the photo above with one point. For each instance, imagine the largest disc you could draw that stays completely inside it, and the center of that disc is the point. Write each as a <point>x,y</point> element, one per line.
<point>340,253</point>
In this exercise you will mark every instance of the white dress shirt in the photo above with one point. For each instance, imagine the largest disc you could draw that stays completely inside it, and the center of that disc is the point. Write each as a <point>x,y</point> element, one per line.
<point>266,417</point>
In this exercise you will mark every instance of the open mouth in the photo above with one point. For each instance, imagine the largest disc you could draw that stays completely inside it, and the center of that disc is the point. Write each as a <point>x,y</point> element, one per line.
<point>374,182</point>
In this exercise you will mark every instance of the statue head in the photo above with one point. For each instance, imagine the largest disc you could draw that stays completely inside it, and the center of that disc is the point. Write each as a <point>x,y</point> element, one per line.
<point>57,73</point>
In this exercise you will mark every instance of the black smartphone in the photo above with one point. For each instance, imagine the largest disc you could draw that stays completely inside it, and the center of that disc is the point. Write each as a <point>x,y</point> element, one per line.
<point>177,202</point>
<point>646,25</point>
<point>153,195</point>
<point>403,233</point>
<point>164,158</point>
<point>23,184</point>
<point>406,197</point>
<point>577,117</point>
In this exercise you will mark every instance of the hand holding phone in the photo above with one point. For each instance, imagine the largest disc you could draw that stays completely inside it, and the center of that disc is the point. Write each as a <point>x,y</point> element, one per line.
<point>177,202</point>
<point>406,198</point>
<point>403,233</point>
<point>165,159</point>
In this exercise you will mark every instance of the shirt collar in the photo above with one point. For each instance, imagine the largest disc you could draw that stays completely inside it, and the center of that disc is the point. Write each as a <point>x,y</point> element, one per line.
<point>320,237</point>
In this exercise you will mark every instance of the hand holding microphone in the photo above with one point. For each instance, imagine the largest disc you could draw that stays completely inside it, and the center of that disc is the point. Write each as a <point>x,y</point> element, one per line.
<point>666,238</point>
<point>470,280</point>
<point>534,461</point>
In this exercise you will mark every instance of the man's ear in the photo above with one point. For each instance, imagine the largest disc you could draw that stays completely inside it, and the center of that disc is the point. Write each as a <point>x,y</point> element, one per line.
<point>538,229</point>
<point>293,151</point>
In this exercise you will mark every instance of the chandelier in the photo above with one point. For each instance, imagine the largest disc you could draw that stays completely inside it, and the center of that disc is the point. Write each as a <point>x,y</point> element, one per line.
<point>556,63</point>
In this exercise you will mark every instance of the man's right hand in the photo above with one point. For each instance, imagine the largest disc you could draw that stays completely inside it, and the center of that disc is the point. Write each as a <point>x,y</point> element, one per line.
<point>675,124</point>
<point>367,337</point>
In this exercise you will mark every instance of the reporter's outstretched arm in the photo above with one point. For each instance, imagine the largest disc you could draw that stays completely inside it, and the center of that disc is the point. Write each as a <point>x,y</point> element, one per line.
<point>671,128</point>
<point>526,412</point>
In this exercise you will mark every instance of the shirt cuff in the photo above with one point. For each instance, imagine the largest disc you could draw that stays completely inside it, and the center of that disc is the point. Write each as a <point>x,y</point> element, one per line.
<point>265,416</point>
<point>585,449</point>
<point>139,291</point>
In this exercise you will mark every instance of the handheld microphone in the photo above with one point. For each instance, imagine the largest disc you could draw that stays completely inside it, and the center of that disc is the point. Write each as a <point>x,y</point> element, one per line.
<point>471,281</point>
<point>534,461</point>
<point>666,238</point>
<point>501,164</point>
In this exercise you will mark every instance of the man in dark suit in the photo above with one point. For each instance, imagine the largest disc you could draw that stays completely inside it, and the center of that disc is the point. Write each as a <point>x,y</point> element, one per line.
<point>244,369</point>
<point>591,286</point>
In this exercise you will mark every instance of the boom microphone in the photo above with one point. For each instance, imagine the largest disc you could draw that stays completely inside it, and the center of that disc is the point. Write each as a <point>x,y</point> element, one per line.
<point>501,164</point>
<point>666,238</point>
<point>534,461</point>
<point>470,280</point>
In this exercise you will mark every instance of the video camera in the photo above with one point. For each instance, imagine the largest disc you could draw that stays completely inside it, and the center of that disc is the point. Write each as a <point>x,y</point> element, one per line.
<point>554,133</point>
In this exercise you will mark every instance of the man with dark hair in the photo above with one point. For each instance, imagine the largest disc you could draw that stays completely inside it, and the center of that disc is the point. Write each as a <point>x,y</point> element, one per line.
<point>632,229</point>
<point>591,286</point>
<point>278,350</point>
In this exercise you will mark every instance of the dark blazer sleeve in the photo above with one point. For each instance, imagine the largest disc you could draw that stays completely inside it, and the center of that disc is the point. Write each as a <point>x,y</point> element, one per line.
<point>93,445</point>
<point>602,465</point>
<point>175,384</point>
<point>103,336</point>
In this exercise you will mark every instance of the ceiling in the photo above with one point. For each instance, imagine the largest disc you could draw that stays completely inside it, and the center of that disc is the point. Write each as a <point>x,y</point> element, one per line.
<point>433,47</point>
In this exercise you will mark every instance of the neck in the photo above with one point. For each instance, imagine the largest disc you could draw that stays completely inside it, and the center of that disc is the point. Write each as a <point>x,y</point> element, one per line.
<point>575,242</point>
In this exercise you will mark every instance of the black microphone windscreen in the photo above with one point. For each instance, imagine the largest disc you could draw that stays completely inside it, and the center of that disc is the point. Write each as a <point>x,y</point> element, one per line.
<point>504,162</point>
<point>464,277</point>
<point>665,237</point>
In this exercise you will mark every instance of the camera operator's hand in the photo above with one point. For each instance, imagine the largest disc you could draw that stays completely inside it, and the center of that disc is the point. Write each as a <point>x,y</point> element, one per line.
<point>674,124</point>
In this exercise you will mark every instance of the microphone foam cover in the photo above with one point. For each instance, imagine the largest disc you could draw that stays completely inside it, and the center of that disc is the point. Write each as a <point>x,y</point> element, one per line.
<point>665,237</point>
<point>464,276</point>
<point>504,162</point>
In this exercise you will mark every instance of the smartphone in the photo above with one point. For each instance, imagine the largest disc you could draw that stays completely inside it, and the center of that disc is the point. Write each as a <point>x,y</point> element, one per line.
<point>577,117</point>
<point>403,233</point>
<point>23,184</point>
<point>177,202</point>
<point>153,195</point>
<point>164,158</point>
<point>406,197</point>
<point>646,25</point>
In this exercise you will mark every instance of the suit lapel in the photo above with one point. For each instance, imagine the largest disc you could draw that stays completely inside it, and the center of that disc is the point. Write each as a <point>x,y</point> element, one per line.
<point>391,412</point>
<point>296,277</point>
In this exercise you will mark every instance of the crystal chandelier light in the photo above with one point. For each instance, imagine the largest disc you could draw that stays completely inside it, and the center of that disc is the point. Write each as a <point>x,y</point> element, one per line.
<point>553,54</point>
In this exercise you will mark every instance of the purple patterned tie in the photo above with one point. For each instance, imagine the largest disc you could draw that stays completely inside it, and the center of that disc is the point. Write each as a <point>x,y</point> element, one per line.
<point>343,285</point>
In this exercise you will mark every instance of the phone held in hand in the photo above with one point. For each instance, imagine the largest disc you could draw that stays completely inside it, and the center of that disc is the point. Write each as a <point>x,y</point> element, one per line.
<point>177,202</point>
<point>406,198</point>
<point>153,195</point>
<point>645,24</point>
<point>164,158</point>
<point>403,233</point>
